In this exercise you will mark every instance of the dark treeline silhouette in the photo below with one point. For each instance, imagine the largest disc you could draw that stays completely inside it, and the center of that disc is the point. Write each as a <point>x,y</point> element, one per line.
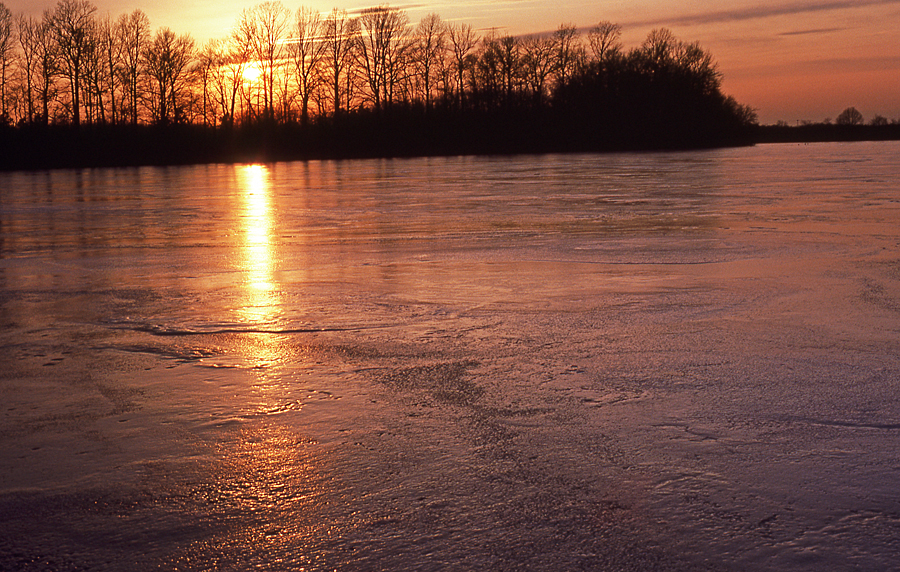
<point>849,125</point>
<point>84,90</point>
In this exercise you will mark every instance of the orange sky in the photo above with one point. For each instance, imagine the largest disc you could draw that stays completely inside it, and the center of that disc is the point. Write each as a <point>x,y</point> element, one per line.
<point>789,59</point>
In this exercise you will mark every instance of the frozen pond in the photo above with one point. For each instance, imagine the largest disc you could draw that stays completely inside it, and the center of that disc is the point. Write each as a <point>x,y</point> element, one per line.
<point>672,361</point>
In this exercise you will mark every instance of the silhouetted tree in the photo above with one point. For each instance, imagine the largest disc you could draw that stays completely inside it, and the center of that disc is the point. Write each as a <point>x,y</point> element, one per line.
<point>665,93</point>
<point>659,47</point>
<point>166,60</point>
<point>225,76</point>
<point>498,72</point>
<point>428,54</point>
<point>462,41</point>
<point>40,60</point>
<point>208,61</point>
<point>7,42</point>
<point>538,64</point>
<point>262,29</point>
<point>307,50</point>
<point>133,31</point>
<point>109,50</point>
<point>850,116</point>
<point>72,22</point>
<point>604,39</point>
<point>341,32</point>
<point>383,44</point>
<point>569,52</point>
<point>26,27</point>
<point>503,93</point>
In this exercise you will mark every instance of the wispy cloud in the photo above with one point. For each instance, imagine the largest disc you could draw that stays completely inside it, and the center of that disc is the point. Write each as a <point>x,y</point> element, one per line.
<point>766,11</point>
<point>811,32</point>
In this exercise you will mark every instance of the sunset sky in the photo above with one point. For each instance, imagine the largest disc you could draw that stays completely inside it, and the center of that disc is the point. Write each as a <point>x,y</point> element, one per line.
<point>788,59</point>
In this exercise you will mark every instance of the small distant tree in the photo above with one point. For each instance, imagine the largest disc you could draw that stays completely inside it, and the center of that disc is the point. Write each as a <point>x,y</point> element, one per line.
<point>879,120</point>
<point>850,116</point>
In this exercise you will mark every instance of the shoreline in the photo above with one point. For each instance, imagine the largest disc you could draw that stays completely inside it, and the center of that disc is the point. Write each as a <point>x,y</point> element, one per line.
<point>36,148</point>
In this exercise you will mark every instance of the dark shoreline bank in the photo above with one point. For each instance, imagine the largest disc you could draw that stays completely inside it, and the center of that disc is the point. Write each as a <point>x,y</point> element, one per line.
<point>822,132</point>
<point>60,147</point>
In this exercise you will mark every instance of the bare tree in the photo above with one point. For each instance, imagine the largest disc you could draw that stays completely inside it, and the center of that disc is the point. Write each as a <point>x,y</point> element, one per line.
<point>225,65</point>
<point>263,29</point>
<point>463,40</point>
<point>307,49</point>
<point>382,47</point>
<point>72,22</point>
<point>699,65</point>
<point>7,53</point>
<point>604,39</point>
<point>109,50</point>
<point>850,116</point>
<point>510,68</point>
<point>243,38</point>
<point>133,31</point>
<point>166,60</point>
<point>285,94</point>
<point>39,58</point>
<point>26,27</point>
<point>430,51</point>
<point>92,92</point>
<point>538,61</point>
<point>498,70</point>
<point>341,32</point>
<point>660,46</point>
<point>209,61</point>
<point>237,62</point>
<point>486,81</point>
<point>568,52</point>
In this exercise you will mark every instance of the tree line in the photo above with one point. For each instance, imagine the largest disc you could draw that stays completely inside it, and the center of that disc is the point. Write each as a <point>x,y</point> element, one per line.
<point>75,67</point>
<point>849,125</point>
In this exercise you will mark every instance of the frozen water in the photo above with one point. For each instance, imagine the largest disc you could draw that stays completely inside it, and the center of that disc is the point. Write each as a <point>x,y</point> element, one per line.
<point>674,361</point>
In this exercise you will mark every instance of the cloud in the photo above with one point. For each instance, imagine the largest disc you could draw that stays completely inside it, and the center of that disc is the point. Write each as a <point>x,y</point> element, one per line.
<point>812,31</point>
<point>766,11</point>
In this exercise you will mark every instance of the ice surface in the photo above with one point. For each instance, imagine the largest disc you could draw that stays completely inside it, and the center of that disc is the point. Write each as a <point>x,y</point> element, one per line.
<point>678,361</point>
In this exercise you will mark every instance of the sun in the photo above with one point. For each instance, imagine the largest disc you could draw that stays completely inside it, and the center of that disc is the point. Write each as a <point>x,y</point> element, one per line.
<point>251,72</point>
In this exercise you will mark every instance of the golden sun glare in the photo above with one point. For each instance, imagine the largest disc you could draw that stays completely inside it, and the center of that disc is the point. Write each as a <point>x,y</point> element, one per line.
<point>259,264</point>
<point>251,72</point>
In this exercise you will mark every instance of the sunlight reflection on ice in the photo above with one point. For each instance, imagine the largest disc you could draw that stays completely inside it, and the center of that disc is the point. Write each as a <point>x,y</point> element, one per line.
<point>261,296</point>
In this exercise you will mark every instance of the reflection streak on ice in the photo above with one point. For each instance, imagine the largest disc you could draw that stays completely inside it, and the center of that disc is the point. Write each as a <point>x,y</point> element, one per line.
<point>261,296</point>
<point>261,299</point>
